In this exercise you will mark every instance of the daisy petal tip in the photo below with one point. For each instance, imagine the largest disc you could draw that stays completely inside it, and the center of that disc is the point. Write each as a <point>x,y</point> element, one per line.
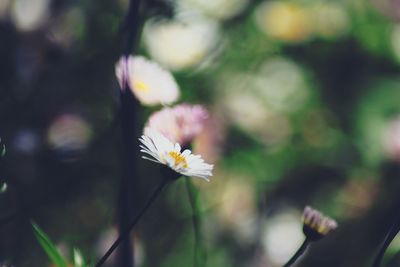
<point>204,178</point>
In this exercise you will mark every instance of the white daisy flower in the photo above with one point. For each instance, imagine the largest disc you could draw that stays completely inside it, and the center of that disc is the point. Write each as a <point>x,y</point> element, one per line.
<point>165,152</point>
<point>150,83</point>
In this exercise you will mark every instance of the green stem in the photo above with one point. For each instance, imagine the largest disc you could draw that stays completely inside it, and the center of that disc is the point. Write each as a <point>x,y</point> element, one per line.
<point>389,238</point>
<point>199,250</point>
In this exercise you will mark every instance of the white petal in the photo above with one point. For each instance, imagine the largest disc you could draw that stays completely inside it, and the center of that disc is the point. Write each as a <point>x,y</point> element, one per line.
<point>158,147</point>
<point>186,153</point>
<point>156,161</point>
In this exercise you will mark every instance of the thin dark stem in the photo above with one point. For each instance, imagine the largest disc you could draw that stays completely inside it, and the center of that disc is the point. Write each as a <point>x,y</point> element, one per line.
<point>199,251</point>
<point>128,183</point>
<point>128,115</point>
<point>131,26</point>
<point>126,233</point>
<point>298,253</point>
<point>389,238</point>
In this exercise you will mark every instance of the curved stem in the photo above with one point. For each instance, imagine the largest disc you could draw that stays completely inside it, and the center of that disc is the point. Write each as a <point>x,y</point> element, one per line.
<point>298,253</point>
<point>389,238</point>
<point>126,233</point>
<point>199,251</point>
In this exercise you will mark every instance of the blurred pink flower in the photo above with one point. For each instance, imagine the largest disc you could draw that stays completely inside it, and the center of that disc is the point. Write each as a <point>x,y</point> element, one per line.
<point>122,72</point>
<point>180,124</point>
<point>209,142</point>
<point>390,8</point>
<point>391,139</point>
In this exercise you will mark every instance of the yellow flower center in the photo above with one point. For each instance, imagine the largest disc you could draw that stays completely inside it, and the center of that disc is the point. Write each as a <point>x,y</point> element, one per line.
<point>322,229</point>
<point>141,86</point>
<point>178,158</point>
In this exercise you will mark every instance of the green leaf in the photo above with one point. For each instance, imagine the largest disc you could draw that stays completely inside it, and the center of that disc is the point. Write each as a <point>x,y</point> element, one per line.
<point>48,246</point>
<point>79,261</point>
<point>3,187</point>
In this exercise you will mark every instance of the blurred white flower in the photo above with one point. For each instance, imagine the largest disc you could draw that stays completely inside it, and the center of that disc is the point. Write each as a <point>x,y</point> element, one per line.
<point>244,107</point>
<point>69,132</point>
<point>258,103</point>
<point>180,124</point>
<point>282,84</point>
<point>330,20</point>
<point>161,150</point>
<point>284,21</point>
<point>236,208</point>
<point>29,15</point>
<point>150,83</point>
<point>283,236</point>
<point>218,9</point>
<point>181,44</point>
<point>4,8</point>
<point>257,118</point>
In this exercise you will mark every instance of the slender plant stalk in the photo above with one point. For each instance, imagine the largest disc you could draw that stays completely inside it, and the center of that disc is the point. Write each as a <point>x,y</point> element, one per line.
<point>126,197</point>
<point>128,116</point>
<point>199,250</point>
<point>127,231</point>
<point>388,239</point>
<point>132,23</point>
<point>298,253</point>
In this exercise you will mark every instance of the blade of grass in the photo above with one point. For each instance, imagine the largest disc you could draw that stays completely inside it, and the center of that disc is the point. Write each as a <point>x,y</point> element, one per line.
<point>48,246</point>
<point>79,261</point>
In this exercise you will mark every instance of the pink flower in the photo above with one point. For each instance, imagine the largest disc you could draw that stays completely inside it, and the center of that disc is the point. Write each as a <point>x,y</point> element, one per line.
<point>122,72</point>
<point>180,124</point>
<point>391,139</point>
<point>316,225</point>
<point>209,143</point>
